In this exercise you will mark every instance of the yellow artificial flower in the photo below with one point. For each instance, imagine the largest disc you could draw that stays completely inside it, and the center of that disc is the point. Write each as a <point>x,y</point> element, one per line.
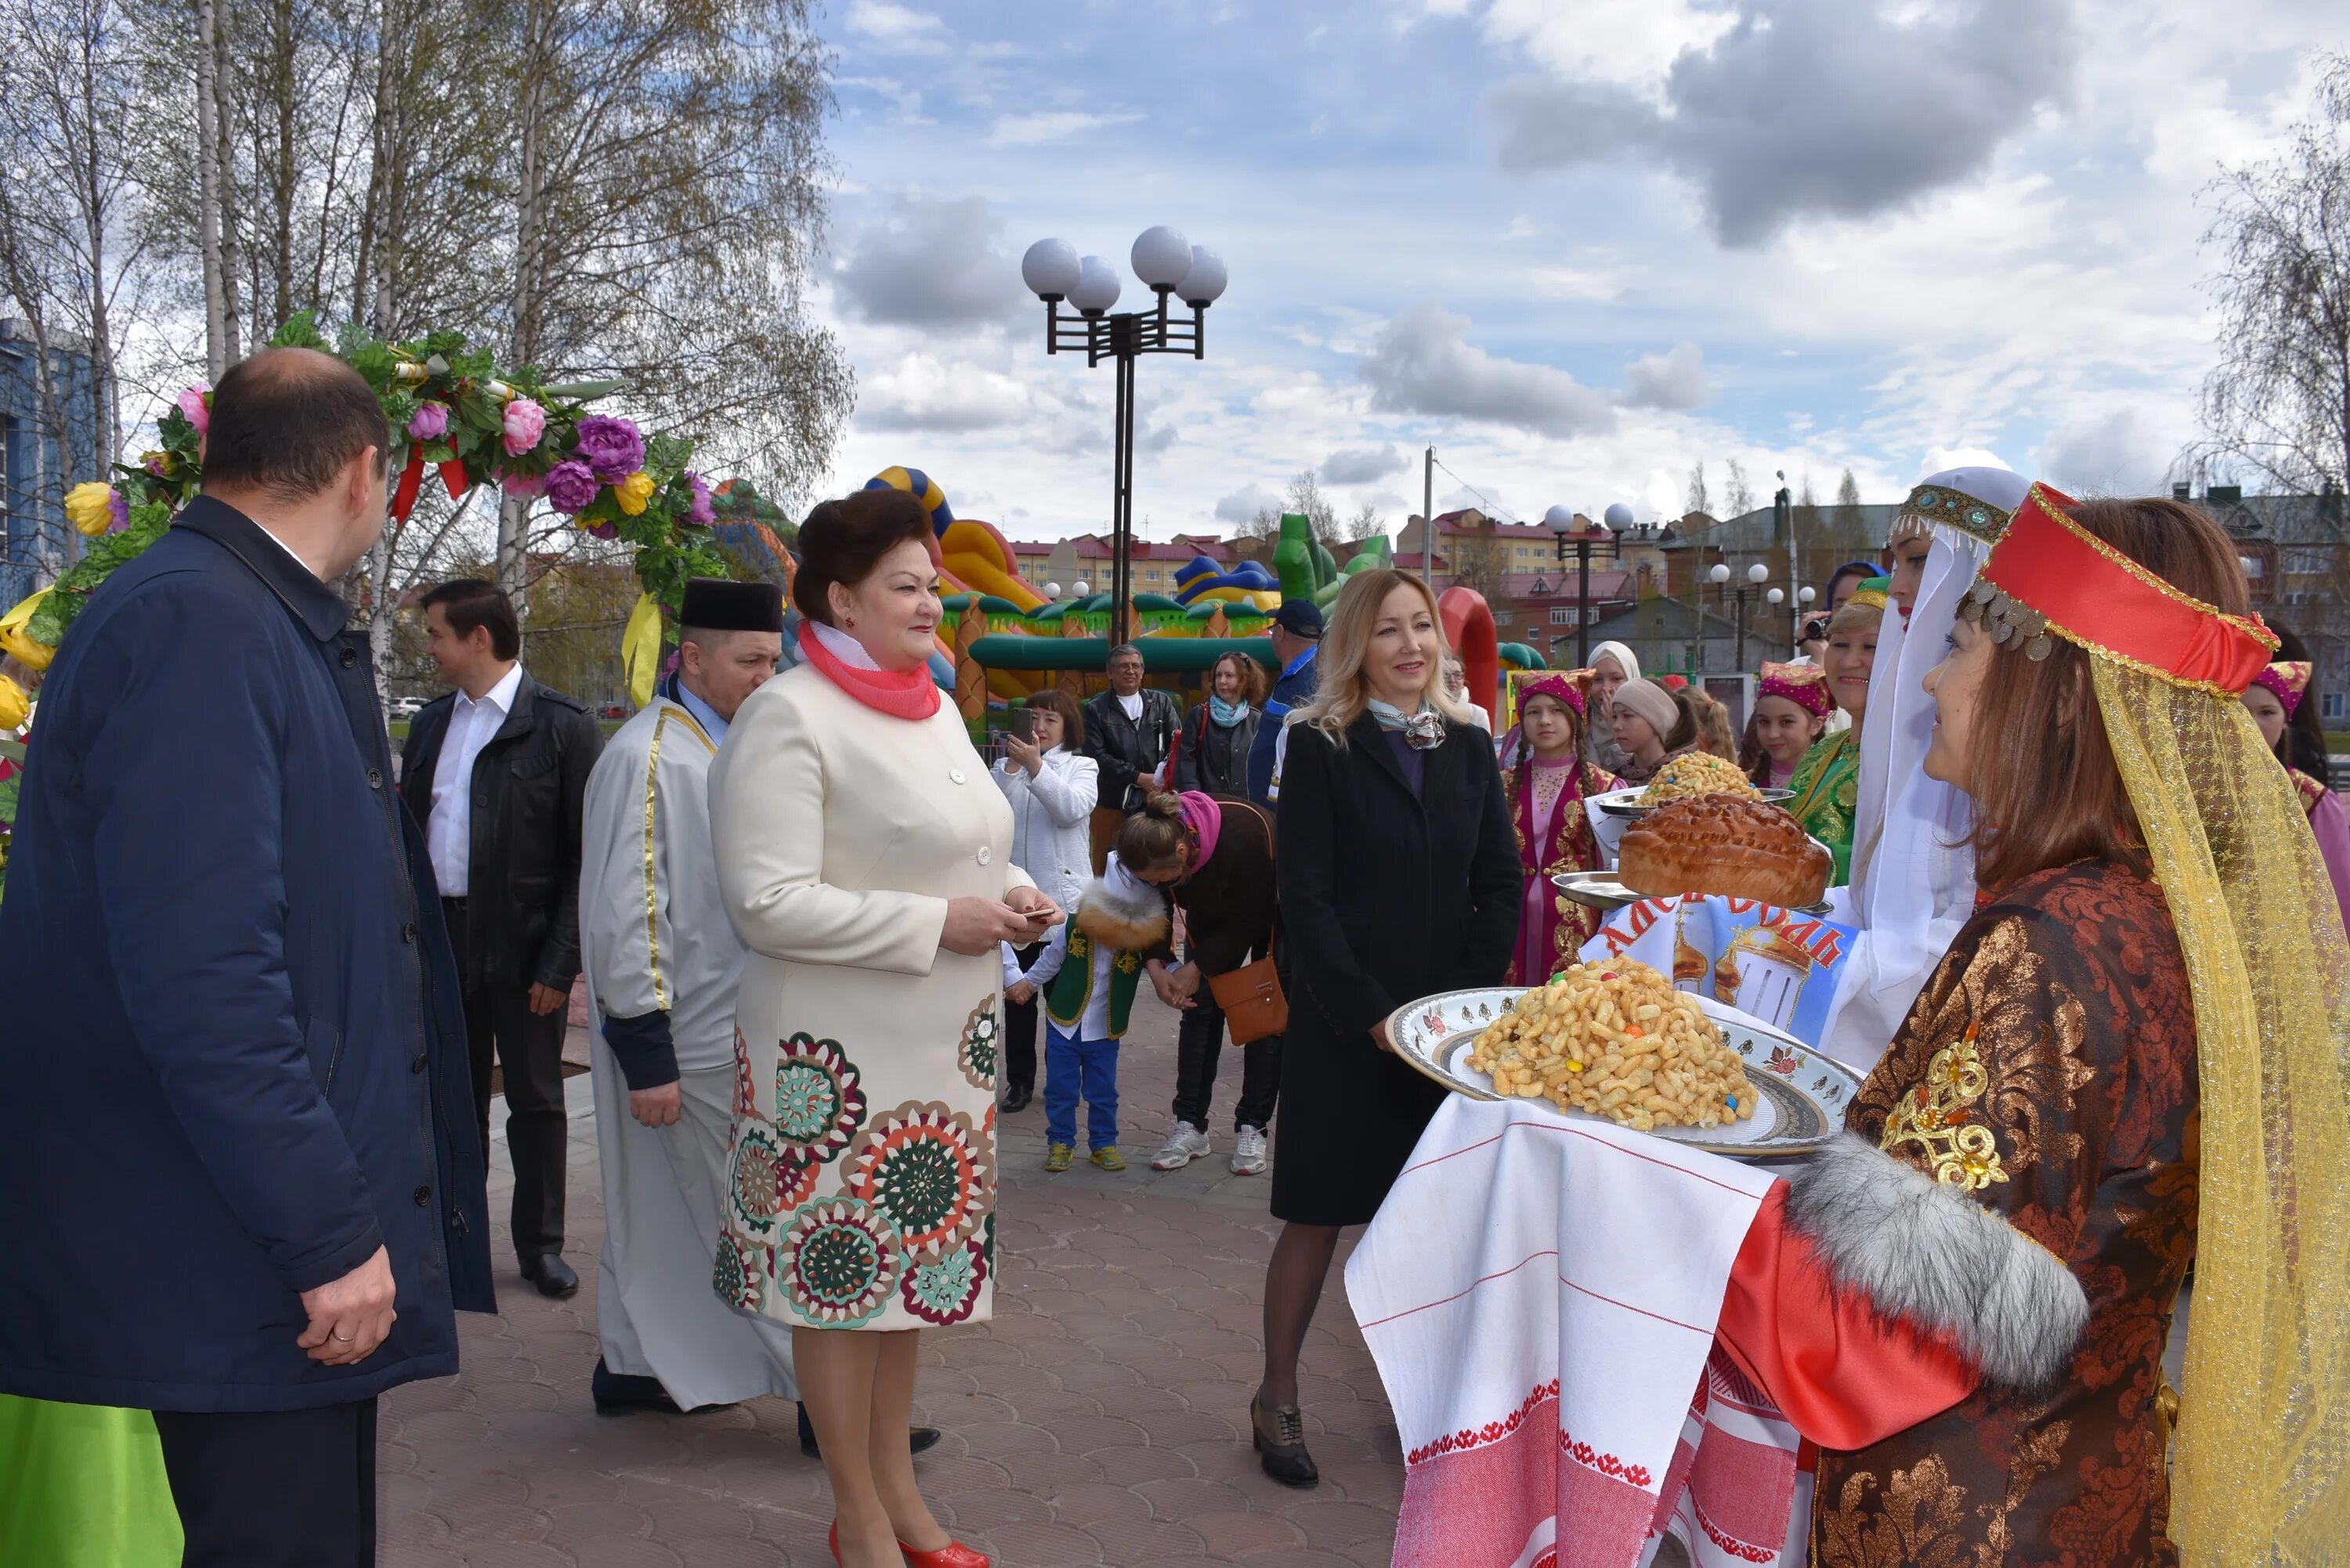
<point>633,491</point>
<point>18,643</point>
<point>89,507</point>
<point>15,706</point>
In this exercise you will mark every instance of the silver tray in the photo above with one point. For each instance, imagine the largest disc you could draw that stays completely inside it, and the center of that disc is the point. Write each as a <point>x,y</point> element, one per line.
<point>1805,1093</point>
<point>1626,802</point>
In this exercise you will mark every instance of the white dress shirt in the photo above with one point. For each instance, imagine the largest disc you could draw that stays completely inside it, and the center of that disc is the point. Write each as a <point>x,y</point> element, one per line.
<point>449,836</point>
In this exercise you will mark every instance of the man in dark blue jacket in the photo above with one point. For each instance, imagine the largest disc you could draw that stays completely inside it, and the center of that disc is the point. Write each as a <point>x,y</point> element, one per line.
<point>242,1187</point>
<point>1297,639</point>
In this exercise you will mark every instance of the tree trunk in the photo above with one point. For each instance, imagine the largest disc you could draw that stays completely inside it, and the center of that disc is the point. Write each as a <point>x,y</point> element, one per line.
<point>217,329</point>
<point>232,249</point>
<point>514,511</point>
<point>282,172</point>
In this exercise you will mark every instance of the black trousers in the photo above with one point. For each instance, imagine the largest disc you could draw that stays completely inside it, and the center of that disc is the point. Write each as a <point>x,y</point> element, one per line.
<point>1199,1044</point>
<point>500,1027</point>
<point>274,1489</point>
<point>1020,1029</point>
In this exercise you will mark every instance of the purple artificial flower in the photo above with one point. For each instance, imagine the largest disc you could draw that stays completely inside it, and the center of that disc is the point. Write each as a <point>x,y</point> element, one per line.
<point>605,530</point>
<point>430,422</point>
<point>523,422</point>
<point>119,505</point>
<point>571,486</point>
<point>610,446</point>
<point>700,511</point>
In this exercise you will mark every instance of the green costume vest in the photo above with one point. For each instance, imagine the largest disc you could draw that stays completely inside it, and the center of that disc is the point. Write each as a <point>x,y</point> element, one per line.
<point>1071,990</point>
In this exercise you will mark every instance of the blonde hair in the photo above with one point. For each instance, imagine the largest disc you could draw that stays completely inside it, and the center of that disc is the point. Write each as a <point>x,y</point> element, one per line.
<point>1343,694</point>
<point>1856,616</point>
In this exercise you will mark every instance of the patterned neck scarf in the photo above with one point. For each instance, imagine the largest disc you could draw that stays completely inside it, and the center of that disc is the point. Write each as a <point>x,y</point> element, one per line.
<point>1423,731</point>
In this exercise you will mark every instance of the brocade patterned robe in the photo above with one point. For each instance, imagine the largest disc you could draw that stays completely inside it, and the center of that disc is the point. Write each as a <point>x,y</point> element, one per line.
<point>1827,797</point>
<point>2048,1070</point>
<point>1552,925</point>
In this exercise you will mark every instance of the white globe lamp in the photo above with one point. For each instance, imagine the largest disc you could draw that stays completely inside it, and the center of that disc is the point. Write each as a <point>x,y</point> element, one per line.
<point>1161,257</point>
<point>1097,289</point>
<point>1050,269</point>
<point>1203,284</point>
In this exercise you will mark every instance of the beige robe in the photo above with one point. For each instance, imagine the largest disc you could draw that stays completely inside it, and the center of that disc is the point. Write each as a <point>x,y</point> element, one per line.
<point>862,1188</point>
<point>654,936</point>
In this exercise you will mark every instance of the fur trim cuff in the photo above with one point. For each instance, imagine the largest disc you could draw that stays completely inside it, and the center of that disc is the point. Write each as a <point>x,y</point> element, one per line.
<point>1131,921</point>
<point>1919,1251</point>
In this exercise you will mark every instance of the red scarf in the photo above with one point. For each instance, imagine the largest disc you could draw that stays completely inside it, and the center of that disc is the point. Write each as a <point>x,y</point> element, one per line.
<point>900,693</point>
<point>1570,804</point>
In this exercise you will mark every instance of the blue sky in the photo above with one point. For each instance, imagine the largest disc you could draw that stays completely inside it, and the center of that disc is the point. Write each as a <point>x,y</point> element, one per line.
<point>1578,247</point>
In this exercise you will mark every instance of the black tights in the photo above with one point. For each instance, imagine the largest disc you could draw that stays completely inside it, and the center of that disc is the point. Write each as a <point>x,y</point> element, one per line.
<point>1293,1289</point>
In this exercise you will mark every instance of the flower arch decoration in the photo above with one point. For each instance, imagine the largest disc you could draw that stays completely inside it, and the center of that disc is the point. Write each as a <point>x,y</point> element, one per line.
<point>452,412</point>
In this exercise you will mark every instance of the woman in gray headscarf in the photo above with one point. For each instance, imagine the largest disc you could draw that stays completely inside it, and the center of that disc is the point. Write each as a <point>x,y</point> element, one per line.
<point>1612,664</point>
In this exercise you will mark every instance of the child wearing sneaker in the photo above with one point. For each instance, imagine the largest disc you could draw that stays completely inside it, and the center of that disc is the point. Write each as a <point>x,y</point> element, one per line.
<point>1087,975</point>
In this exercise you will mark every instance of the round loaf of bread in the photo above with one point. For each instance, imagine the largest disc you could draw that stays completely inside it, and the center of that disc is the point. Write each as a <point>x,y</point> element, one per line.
<point>1724,845</point>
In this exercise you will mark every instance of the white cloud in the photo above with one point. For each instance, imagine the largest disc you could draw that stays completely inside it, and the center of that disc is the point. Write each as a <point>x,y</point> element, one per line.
<point>1629,43</point>
<point>890,24</point>
<point>1422,364</point>
<point>1040,129</point>
<point>929,263</point>
<point>921,392</point>
<point>1671,380</point>
<point>1812,106</point>
<point>1246,503</point>
<point>2111,453</point>
<point>1361,465</point>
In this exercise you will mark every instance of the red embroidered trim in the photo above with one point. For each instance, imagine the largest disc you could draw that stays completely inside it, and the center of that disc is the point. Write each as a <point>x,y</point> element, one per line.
<point>1591,1459</point>
<point>1491,1432</point>
<point>1738,1548</point>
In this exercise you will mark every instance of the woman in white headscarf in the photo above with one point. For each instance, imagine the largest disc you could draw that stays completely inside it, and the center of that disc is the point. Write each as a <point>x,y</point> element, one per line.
<point>1612,664</point>
<point>1913,882</point>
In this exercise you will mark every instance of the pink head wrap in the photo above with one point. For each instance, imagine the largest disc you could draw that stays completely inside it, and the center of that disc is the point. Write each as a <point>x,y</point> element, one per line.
<point>2289,679</point>
<point>1805,685</point>
<point>1558,683</point>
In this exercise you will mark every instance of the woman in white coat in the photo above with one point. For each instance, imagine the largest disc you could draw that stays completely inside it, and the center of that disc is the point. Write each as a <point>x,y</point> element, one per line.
<point>867,866</point>
<point>1052,785</point>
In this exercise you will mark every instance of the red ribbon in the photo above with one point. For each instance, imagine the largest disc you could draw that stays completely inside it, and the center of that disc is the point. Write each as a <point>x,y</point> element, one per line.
<point>454,479</point>
<point>2095,594</point>
<point>403,499</point>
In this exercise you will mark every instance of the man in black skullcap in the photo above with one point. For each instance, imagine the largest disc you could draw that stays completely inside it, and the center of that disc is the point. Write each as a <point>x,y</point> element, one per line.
<point>662,964</point>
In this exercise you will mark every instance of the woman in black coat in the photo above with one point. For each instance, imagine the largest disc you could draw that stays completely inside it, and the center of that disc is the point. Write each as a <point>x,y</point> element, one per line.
<point>1398,876</point>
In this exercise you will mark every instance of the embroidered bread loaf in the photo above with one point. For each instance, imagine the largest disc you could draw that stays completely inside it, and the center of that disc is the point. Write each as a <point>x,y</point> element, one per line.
<point>1724,845</point>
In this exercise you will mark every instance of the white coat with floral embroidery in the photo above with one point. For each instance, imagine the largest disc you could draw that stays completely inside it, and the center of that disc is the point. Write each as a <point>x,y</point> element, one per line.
<point>863,1171</point>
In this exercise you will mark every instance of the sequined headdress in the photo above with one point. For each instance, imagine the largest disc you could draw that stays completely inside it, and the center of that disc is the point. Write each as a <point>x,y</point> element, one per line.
<point>2289,679</point>
<point>1942,501</point>
<point>2259,1471</point>
<point>1805,685</point>
<point>1875,594</point>
<point>1562,684</point>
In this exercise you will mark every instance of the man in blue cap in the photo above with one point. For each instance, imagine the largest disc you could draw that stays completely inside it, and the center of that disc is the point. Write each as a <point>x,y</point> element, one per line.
<point>1297,638</point>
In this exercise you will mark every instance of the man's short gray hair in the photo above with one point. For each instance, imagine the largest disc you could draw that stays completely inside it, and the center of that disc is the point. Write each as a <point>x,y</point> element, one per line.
<point>1123,649</point>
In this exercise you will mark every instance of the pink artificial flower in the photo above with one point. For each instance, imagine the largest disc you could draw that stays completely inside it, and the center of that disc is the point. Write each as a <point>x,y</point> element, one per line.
<point>525,421</point>
<point>195,402</point>
<point>429,422</point>
<point>528,486</point>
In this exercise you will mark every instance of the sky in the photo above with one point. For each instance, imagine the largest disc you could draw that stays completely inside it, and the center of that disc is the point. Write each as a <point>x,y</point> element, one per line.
<point>1577,247</point>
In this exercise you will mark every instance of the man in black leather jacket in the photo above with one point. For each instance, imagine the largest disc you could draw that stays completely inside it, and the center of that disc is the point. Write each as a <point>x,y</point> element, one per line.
<point>1129,731</point>
<point>496,770</point>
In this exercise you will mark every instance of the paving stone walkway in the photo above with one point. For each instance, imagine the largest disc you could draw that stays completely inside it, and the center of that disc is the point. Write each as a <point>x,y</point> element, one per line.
<point>1100,1418</point>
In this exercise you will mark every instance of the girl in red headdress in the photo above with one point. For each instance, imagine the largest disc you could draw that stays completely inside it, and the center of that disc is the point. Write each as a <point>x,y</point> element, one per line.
<point>1546,790</point>
<point>1791,711</point>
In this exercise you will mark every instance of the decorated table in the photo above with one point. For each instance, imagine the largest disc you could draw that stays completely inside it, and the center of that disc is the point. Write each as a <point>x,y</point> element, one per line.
<point>1594,1337</point>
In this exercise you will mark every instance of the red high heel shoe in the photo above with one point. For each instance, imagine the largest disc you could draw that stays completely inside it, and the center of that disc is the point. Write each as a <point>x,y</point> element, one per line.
<point>953,1555</point>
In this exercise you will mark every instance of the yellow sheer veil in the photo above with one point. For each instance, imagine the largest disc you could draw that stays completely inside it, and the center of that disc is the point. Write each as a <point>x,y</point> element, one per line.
<point>2261,1473</point>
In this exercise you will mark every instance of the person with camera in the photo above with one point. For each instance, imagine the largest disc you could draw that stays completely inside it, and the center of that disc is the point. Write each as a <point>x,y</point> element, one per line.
<point>1052,786</point>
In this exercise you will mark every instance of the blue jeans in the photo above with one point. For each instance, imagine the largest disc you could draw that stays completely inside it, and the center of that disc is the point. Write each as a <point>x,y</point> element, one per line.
<point>1075,1068</point>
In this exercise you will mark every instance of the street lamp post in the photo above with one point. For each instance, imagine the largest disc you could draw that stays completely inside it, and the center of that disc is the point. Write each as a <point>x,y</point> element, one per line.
<point>1804,597</point>
<point>1168,263</point>
<point>1755,574</point>
<point>1587,541</point>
